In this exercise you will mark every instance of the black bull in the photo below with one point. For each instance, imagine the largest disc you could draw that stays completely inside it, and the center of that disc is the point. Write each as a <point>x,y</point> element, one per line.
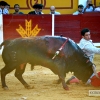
<point>39,51</point>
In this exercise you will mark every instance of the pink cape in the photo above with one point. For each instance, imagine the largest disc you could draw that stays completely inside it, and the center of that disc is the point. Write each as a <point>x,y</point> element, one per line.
<point>75,80</point>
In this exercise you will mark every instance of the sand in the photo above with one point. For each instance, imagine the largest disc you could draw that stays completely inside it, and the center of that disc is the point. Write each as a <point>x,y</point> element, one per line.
<point>44,88</point>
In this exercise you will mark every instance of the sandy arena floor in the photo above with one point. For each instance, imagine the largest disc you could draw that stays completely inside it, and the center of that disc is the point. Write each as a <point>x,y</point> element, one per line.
<point>44,88</point>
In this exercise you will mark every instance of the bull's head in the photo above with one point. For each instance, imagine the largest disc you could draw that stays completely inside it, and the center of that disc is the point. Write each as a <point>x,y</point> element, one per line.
<point>77,61</point>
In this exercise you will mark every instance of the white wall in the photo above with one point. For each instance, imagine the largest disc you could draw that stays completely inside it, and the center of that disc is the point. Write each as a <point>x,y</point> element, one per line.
<point>83,2</point>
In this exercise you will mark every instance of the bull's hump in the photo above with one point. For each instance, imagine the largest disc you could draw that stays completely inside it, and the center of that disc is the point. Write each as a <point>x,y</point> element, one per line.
<point>56,36</point>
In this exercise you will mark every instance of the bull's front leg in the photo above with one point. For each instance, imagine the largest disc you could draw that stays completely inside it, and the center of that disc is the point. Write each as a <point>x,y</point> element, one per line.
<point>18,74</point>
<point>64,83</point>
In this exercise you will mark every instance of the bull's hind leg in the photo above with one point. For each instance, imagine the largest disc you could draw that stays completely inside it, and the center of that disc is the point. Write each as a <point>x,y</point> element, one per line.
<point>4,71</point>
<point>18,74</point>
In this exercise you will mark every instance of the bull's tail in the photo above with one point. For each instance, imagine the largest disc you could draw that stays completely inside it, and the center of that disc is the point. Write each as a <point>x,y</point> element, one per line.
<point>4,43</point>
<point>1,45</point>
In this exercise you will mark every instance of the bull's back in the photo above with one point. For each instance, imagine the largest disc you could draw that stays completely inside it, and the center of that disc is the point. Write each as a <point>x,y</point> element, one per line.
<point>24,49</point>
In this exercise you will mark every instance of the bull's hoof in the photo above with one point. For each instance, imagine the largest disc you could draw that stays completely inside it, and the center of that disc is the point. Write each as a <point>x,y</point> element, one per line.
<point>29,87</point>
<point>66,88</point>
<point>5,88</point>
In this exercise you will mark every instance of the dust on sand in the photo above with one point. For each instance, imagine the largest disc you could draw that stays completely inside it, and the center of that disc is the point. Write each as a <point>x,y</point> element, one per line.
<point>44,89</point>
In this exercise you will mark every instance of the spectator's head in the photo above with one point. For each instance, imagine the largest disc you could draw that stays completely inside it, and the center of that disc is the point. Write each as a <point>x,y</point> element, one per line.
<point>52,9</point>
<point>89,2</point>
<point>7,7</point>
<point>2,4</point>
<point>80,8</point>
<point>86,33</point>
<point>16,7</point>
<point>38,7</point>
<point>41,8</point>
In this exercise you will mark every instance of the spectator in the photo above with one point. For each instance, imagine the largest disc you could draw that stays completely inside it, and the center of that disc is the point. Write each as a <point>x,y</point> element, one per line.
<point>3,10</point>
<point>7,7</point>
<point>80,10</point>
<point>97,9</point>
<point>17,8</point>
<point>89,6</point>
<point>37,9</point>
<point>53,11</point>
<point>41,11</point>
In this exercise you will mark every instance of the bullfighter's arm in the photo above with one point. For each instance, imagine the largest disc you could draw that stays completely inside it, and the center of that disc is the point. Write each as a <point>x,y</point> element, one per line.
<point>92,49</point>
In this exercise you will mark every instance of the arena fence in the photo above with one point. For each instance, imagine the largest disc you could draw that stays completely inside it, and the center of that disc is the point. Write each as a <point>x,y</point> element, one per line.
<point>13,26</point>
<point>67,25</point>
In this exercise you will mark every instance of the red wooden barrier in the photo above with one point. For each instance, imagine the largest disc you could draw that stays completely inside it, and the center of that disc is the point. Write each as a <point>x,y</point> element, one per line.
<point>71,25</point>
<point>92,21</point>
<point>68,25</point>
<point>26,25</point>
